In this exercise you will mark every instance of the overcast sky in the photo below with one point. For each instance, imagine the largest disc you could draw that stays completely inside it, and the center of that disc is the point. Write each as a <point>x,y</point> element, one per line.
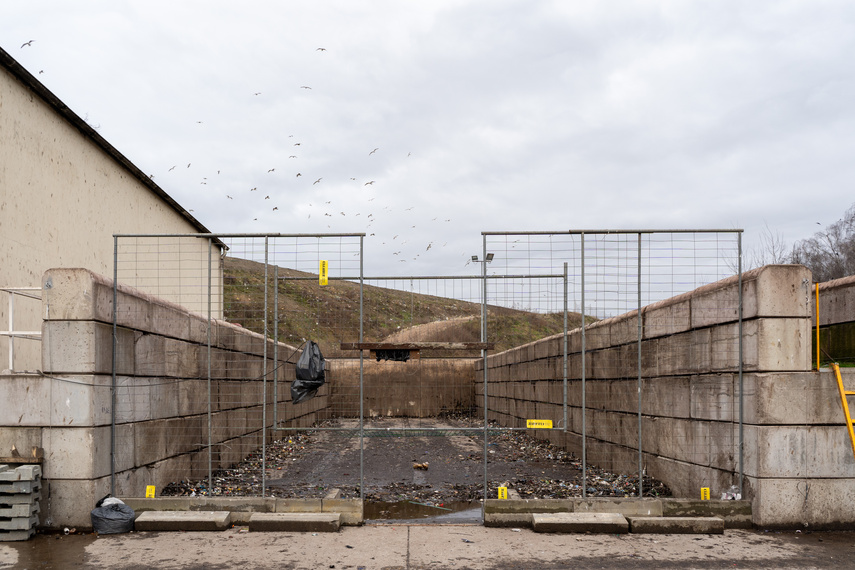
<point>432,121</point>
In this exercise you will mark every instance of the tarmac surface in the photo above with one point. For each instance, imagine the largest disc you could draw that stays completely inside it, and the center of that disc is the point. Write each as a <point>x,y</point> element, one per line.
<point>416,547</point>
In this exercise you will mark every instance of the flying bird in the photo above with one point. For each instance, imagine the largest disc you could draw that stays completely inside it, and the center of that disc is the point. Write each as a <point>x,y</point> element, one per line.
<point>293,156</point>
<point>267,197</point>
<point>29,43</point>
<point>321,49</point>
<point>373,151</point>
<point>275,208</point>
<point>298,175</point>
<point>271,170</point>
<point>368,183</point>
<point>259,93</point>
<point>188,165</point>
<point>318,180</point>
<point>229,197</point>
<point>305,87</point>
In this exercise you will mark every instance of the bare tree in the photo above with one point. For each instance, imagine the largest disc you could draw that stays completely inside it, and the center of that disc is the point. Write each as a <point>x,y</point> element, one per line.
<point>829,254</point>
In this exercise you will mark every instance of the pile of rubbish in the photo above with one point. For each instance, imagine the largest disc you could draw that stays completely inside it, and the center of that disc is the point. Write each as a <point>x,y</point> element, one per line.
<point>534,468</point>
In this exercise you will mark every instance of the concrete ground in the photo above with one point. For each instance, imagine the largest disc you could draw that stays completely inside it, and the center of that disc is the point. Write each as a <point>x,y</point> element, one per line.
<point>432,547</point>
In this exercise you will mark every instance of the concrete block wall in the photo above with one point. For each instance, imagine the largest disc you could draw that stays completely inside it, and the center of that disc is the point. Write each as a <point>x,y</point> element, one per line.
<point>418,388</point>
<point>795,439</point>
<point>162,395</point>
<point>837,319</point>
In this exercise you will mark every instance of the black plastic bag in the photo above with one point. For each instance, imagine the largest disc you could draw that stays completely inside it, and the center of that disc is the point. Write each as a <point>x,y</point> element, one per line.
<point>310,374</point>
<point>112,516</point>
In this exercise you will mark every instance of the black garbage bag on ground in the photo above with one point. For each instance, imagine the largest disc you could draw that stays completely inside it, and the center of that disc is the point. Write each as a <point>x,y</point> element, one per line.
<point>112,516</point>
<point>310,374</point>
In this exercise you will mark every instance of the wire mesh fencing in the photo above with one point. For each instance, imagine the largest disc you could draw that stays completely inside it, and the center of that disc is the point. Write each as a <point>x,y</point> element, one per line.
<point>646,385</point>
<point>208,331</point>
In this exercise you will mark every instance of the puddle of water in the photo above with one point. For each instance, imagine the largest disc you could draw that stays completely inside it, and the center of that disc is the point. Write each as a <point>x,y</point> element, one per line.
<point>412,512</point>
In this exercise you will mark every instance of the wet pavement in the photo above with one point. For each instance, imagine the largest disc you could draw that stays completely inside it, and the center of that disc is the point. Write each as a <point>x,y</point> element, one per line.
<point>420,547</point>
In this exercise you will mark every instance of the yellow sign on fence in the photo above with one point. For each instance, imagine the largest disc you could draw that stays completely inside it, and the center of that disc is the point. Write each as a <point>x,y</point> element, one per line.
<point>149,492</point>
<point>323,273</point>
<point>503,492</point>
<point>538,424</point>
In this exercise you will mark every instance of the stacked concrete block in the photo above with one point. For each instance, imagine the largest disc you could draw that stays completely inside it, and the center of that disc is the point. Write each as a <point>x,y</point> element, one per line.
<point>796,452</point>
<point>19,501</point>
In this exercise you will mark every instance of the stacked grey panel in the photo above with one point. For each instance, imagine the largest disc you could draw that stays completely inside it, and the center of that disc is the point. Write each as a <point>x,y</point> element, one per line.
<point>19,501</point>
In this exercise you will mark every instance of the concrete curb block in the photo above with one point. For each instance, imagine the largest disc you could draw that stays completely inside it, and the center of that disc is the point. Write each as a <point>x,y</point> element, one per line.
<point>611,523</point>
<point>183,520</point>
<point>294,522</point>
<point>242,508</point>
<point>507,520</point>
<point>676,525</point>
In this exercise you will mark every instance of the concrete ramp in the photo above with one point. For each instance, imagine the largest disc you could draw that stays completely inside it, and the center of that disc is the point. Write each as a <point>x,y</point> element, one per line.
<point>183,520</point>
<point>294,522</point>
<point>612,523</point>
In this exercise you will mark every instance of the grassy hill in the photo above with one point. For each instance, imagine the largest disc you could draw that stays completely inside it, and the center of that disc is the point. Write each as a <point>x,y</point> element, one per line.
<point>330,315</point>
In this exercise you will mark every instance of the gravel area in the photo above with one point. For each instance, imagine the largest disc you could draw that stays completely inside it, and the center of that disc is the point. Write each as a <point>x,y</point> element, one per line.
<point>439,463</point>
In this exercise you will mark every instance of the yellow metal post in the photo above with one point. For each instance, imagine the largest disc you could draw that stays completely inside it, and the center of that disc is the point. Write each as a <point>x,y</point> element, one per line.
<point>843,394</point>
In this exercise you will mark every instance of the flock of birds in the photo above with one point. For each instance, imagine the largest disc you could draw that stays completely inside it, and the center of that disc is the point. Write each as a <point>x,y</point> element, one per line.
<point>325,208</point>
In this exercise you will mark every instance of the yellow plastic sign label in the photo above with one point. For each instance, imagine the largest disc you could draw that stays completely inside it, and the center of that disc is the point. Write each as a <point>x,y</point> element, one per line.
<point>705,493</point>
<point>538,424</point>
<point>149,492</point>
<point>323,273</point>
<point>503,492</point>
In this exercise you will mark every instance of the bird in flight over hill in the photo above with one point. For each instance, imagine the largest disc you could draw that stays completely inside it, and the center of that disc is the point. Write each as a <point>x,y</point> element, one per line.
<point>368,183</point>
<point>373,151</point>
<point>318,180</point>
<point>29,43</point>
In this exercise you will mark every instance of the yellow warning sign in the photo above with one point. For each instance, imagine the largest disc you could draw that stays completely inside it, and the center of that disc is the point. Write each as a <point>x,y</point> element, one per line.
<point>538,424</point>
<point>323,273</point>
<point>503,492</point>
<point>705,493</point>
<point>149,492</point>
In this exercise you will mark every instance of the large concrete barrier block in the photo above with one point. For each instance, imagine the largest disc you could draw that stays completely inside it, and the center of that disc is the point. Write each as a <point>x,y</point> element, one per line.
<point>624,329</point>
<point>792,398</point>
<point>25,400</point>
<point>715,304</point>
<point>71,501</point>
<point>84,453</point>
<point>686,479</point>
<point>23,438</point>
<point>85,347</point>
<point>69,294</point>
<point>133,399</point>
<point>598,335</point>
<point>768,345</point>
<point>667,396</point>
<point>778,291</point>
<point>170,320</point>
<point>819,504</point>
<point>193,396</point>
<point>150,355</point>
<point>798,451</point>
<point>666,318</point>
<point>713,397</point>
<point>836,301</point>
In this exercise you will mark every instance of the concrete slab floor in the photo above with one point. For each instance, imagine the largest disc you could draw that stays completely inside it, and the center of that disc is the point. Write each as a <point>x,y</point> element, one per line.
<point>435,547</point>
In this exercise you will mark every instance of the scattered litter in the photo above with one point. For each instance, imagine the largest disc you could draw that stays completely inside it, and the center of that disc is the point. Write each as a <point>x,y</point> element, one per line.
<point>422,466</point>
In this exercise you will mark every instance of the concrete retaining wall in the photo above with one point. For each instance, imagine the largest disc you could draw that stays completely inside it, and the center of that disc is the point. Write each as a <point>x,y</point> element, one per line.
<point>162,395</point>
<point>418,388</point>
<point>837,319</point>
<point>798,463</point>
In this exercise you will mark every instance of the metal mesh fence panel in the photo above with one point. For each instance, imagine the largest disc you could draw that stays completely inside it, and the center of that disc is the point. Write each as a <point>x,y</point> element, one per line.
<point>630,396</point>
